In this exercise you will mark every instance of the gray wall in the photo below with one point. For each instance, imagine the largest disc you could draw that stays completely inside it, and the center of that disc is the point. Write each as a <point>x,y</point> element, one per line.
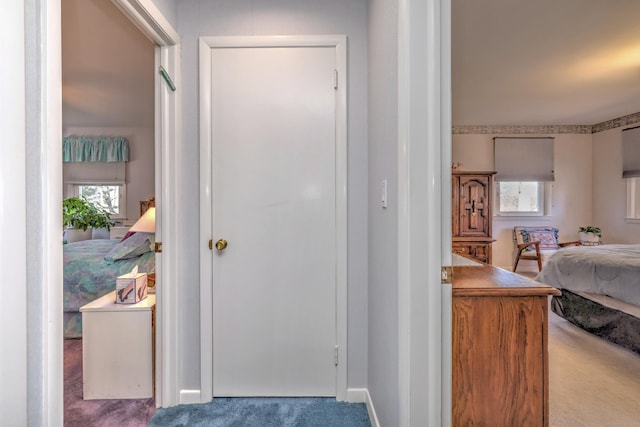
<point>383,223</point>
<point>169,9</point>
<point>274,17</point>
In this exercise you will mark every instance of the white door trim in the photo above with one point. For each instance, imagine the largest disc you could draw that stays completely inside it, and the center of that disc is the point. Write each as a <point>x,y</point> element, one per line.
<point>206,272</point>
<point>424,125</point>
<point>39,179</point>
<point>146,16</point>
<point>445,176</point>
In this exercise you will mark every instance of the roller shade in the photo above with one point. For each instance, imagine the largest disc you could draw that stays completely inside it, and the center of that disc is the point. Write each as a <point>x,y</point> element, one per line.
<point>94,172</point>
<point>523,159</point>
<point>631,152</point>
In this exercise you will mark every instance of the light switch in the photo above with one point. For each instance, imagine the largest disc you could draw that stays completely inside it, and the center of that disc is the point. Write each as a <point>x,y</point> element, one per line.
<point>383,197</point>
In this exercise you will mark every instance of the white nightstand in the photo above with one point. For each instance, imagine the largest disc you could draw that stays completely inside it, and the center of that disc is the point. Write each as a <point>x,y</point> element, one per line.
<point>117,348</point>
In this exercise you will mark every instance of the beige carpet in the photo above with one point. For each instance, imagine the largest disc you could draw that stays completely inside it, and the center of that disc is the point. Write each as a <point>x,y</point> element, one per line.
<point>591,381</point>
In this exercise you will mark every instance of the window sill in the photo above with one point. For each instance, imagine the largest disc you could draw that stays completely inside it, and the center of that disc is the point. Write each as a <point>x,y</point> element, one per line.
<point>632,220</point>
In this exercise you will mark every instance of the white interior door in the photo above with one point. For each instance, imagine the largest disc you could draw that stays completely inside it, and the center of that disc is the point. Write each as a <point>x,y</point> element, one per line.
<point>274,202</point>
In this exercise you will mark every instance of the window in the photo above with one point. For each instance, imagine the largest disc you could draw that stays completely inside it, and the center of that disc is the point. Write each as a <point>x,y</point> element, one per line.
<point>524,173</point>
<point>109,196</point>
<point>520,198</point>
<point>633,199</point>
<point>631,171</point>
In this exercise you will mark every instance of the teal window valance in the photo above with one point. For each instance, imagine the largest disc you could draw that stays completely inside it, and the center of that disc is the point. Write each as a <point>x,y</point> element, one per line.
<point>95,149</point>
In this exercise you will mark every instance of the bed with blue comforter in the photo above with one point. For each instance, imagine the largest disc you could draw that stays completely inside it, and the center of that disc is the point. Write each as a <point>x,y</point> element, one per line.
<point>91,268</point>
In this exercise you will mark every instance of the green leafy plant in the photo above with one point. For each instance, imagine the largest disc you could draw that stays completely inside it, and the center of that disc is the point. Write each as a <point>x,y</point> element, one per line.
<point>591,229</point>
<point>79,213</point>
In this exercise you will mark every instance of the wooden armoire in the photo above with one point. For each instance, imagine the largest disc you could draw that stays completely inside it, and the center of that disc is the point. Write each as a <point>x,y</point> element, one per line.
<point>471,214</point>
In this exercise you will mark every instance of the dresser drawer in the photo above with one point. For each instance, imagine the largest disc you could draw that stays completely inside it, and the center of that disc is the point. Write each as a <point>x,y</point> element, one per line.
<point>480,251</point>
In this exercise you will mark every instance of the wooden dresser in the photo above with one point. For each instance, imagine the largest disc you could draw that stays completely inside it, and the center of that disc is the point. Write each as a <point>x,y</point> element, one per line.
<point>471,214</point>
<point>500,357</point>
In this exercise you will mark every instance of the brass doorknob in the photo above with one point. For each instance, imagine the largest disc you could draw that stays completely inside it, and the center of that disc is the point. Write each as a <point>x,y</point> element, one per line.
<point>221,244</point>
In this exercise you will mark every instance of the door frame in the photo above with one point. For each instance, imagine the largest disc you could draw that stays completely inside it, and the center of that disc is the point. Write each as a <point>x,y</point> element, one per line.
<point>206,44</point>
<point>424,226</point>
<point>45,331</point>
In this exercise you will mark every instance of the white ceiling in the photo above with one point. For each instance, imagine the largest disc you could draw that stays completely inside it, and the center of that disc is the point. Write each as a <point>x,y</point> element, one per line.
<point>545,62</point>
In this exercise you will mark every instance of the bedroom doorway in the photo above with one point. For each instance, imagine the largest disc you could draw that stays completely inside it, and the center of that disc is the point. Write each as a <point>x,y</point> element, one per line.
<point>161,137</point>
<point>275,326</point>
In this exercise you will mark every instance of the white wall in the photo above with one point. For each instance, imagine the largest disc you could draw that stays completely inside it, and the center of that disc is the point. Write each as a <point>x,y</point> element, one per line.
<point>273,17</point>
<point>383,230</point>
<point>571,191</point>
<point>108,86</point>
<point>609,189</point>
<point>140,167</point>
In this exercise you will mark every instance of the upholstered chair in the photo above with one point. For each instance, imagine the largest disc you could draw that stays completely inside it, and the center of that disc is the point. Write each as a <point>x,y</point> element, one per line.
<point>537,244</point>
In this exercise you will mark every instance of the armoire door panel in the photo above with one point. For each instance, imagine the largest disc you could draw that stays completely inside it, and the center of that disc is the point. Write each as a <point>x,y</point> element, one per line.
<point>471,214</point>
<point>474,209</point>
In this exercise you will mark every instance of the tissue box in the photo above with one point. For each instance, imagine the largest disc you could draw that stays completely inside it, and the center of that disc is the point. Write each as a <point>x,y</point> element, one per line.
<point>131,288</point>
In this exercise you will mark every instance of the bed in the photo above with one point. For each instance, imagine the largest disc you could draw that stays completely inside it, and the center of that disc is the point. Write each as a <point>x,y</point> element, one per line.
<point>91,268</point>
<point>600,290</point>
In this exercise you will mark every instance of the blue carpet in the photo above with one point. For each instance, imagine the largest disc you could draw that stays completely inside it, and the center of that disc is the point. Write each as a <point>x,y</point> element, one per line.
<point>265,412</point>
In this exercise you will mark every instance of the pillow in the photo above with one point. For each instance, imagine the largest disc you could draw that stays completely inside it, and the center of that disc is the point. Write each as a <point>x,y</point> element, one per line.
<point>548,238</point>
<point>134,246</point>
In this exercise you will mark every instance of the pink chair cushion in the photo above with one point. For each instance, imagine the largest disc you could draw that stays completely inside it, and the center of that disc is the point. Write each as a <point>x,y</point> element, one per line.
<point>547,239</point>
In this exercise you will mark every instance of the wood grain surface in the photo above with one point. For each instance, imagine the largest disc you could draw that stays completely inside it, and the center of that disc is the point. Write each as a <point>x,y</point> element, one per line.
<point>500,361</point>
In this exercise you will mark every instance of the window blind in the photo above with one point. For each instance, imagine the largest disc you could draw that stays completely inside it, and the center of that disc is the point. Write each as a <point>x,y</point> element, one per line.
<point>631,152</point>
<point>94,172</point>
<point>523,159</point>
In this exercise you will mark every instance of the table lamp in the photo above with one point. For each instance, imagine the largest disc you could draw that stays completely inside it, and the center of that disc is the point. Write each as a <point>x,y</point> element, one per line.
<point>146,224</point>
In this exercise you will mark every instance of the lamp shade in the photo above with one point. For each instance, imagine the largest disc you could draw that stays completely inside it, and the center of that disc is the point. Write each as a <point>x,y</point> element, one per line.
<point>146,223</point>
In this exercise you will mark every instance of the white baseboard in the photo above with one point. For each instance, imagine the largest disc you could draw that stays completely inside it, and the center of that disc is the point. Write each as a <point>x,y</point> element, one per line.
<point>361,395</point>
<point>189,396</point>
<point>373,417</point>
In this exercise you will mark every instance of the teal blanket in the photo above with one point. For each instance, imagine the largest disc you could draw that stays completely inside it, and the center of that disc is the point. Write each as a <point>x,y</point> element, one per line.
<point>88,275</point>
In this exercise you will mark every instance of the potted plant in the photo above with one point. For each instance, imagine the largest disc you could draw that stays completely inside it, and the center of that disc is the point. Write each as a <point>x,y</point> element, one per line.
<point>590,233</point>
<point>79,216</point>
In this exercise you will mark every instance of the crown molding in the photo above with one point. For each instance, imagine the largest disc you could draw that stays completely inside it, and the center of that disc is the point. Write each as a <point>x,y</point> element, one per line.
<point>631,119</point>
<point>546,129</point>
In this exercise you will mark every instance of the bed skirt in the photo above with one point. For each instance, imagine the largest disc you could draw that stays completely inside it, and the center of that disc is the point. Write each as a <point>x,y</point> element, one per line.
<point>613,325</point>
